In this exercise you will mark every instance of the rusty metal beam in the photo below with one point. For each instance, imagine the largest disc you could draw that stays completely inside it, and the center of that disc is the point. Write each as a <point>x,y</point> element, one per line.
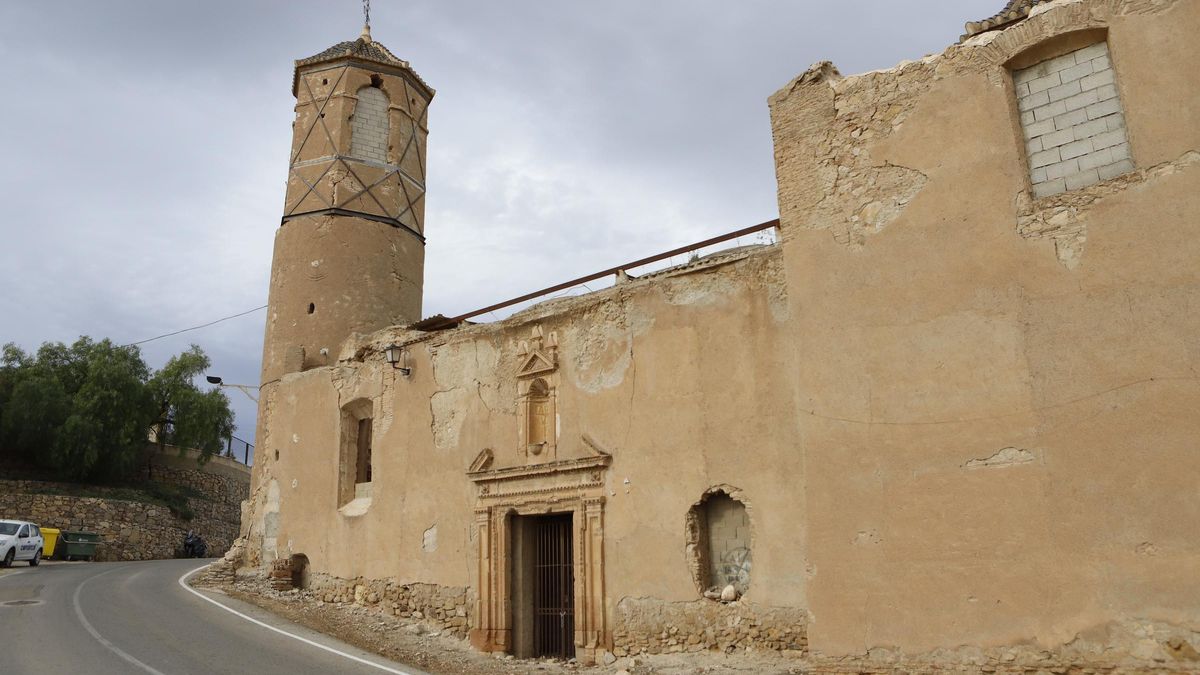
<point>454,321</point>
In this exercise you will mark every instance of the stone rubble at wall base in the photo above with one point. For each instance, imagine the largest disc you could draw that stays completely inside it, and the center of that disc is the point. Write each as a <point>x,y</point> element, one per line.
<point>649,626</point>
<point>446,608</point>
<point>437,610</point>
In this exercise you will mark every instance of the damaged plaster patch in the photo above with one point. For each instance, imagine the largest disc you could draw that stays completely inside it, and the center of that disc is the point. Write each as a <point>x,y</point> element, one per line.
<point>429,542</point>
<point>603,359</point>
<point>867,538</point>
<point>863,200</point>
<point>1003,458</point>
<point>364,382</point>
<point>777,297</point>
<point>448,412</point>
<point>459,369</point>
<point>836,123</point>
<point>1062,218</point>
<point>601,344</point>
<point>700,289</point>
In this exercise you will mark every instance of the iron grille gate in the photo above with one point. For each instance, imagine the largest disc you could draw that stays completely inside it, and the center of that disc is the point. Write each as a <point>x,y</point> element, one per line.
<point>553,587</point>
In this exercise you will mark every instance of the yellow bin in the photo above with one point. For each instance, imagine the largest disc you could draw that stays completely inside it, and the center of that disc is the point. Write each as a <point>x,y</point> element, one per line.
<point>50,537</point>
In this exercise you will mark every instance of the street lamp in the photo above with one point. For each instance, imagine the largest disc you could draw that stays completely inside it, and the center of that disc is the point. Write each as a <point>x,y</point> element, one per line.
<point>395,355</point>
<point>244,388</point>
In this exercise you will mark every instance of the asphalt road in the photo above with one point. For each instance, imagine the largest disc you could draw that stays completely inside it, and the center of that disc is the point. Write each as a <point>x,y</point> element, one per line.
<point>134,618</point>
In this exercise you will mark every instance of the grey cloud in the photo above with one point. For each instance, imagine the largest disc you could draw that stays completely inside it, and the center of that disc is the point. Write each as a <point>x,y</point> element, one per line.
<point>148,144</point>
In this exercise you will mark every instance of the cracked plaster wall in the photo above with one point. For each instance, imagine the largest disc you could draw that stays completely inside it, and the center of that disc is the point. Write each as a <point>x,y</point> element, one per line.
<point>965,421</point>
<point>994,392</point>
<point>664,372</point>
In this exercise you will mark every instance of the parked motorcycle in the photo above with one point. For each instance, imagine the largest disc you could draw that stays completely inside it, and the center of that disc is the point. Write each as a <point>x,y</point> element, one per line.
<point>194,546</point>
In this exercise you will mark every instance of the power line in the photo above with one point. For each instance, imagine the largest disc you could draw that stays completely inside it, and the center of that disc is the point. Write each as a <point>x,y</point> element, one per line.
<point>203,325</point>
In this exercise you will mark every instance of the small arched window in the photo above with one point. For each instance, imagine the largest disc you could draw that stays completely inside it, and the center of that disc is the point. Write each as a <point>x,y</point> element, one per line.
<point>369,126</point>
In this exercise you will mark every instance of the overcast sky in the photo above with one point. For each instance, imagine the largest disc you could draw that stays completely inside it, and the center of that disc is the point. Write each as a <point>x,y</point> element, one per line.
<point>146,144</point>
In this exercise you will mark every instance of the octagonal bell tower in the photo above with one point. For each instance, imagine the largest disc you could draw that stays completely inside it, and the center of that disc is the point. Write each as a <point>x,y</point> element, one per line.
<point>350,251</point>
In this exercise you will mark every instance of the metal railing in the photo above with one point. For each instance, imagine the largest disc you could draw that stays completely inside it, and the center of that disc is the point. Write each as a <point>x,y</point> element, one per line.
<point>441,322</point>
<point>235,447</point>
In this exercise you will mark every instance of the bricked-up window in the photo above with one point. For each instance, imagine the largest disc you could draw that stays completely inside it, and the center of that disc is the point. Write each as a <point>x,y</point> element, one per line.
<point>718,544</point>
<point>369,126</point>
<point>1073,121</point>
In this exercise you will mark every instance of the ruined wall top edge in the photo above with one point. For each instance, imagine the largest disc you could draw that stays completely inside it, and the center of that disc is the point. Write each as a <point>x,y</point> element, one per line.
<point>358,345</point>
<point>986,50</point>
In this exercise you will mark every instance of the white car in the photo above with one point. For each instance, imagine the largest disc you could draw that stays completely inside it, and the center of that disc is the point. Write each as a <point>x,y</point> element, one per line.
<point>20,540</point>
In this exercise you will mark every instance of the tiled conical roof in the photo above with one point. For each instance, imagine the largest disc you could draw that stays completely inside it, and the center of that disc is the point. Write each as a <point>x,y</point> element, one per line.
<point>1014,11</point>
<point>364,48</point>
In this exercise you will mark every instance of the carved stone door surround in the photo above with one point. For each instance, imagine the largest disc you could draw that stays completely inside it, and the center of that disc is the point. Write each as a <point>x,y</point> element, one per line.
<point>574,486</point>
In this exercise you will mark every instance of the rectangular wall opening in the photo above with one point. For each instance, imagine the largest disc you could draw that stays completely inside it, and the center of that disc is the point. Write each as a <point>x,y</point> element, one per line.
<point>363,464</point>
<point>355,472</point>
<point>543,581</point>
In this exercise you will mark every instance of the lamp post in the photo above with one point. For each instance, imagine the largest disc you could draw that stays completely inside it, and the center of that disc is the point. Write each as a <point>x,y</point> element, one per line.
<point>244,388</point>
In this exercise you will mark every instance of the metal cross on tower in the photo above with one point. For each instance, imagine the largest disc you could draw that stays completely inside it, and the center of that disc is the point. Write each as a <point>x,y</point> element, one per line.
<point>366,14</point>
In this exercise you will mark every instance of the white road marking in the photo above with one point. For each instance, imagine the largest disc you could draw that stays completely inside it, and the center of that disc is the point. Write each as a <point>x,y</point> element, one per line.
<point>100,638</point>
<point>305,640</point>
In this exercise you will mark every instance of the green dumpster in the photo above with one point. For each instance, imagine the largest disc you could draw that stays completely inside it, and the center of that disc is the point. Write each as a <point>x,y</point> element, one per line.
<point>77,545</point>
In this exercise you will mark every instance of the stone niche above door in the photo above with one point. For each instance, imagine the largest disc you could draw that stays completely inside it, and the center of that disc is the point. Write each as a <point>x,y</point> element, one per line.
<point>537,394</point>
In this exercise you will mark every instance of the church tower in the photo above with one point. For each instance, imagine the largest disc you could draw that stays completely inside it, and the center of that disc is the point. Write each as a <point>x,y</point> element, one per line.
<point>350,250</point>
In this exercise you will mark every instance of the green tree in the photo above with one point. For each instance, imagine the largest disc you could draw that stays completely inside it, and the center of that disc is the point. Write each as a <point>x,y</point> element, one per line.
<point>84,412</point>
<point>36,408</point>
<point>105,435</point>
<point>186,416</point>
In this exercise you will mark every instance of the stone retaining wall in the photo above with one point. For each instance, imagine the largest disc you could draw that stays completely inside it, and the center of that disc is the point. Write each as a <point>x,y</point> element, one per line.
<point>131,530</point>
<point>220,479</point>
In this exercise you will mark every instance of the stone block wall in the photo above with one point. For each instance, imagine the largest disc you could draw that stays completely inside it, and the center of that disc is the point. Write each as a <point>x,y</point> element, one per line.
<point>131,530</point>
<point>445,607</point>
<point>221,480</point>
<point>650,626</point>
<point>729,542</point>
<point>369,126</point>
<point>1073,121</point>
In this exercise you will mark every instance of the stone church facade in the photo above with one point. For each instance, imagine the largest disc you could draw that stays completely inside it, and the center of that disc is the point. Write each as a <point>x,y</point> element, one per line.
<point>952,412</point>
